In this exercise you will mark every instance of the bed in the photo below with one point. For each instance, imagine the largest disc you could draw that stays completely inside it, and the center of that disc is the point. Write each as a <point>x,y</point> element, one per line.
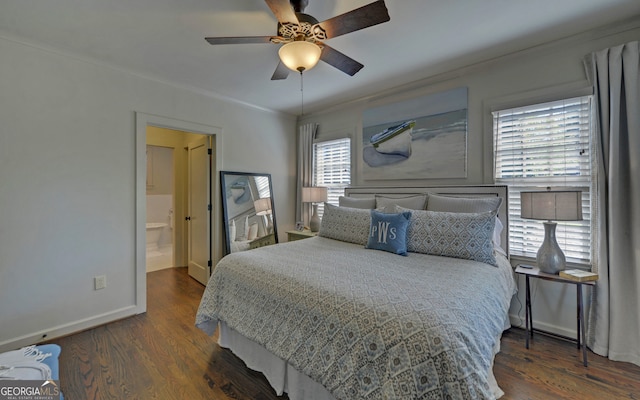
<point>331,318</point>
<point>248,229</point>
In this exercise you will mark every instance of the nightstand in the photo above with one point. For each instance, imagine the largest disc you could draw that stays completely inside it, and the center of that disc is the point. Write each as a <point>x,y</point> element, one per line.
<point>298,235</point>
<point>266,240</point>
<point>536,273</point>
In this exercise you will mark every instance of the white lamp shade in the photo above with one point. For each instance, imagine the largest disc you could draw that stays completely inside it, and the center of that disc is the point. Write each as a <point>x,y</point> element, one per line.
<point>299,55</point>
<point>263,206</point>
<point>565,205</point>
<point>314,194</point>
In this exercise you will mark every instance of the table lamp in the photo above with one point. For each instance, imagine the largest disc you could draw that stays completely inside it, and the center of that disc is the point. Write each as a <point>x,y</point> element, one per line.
<point>314,195</point>
<point>263,208</point>
<point>551,205</point>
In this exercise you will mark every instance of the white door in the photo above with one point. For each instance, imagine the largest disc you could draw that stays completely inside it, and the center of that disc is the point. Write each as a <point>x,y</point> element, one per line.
<point>199,219</point>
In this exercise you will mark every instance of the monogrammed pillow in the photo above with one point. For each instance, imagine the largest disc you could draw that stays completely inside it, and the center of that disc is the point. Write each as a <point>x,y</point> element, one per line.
<point>388,232</point>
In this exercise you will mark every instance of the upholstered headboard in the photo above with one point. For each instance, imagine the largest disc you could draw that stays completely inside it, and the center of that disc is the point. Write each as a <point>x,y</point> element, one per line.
<point>455,191</point>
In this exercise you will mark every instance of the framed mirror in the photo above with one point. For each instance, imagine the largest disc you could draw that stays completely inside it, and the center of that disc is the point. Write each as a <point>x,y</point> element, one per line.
<point>249,214</point>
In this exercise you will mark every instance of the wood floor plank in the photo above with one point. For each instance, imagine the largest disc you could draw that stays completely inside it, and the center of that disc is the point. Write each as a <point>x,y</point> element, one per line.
<point>162,355</point>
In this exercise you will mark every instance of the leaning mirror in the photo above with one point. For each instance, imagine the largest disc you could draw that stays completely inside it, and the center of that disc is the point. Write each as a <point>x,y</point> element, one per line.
<point>249,215</point>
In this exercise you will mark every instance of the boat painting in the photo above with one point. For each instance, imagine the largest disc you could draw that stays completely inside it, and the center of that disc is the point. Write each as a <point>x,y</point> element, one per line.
<point>395,139</point>
<point>240,191</point>
<point>422,138</point>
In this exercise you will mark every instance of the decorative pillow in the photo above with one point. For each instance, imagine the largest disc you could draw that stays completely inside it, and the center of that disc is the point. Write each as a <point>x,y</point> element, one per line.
<point>416,202</point>
<point>388,232</point>
<point>253,231</point>
<point>345,224</point>
<point>458,235</point>
<point>355,202</point>
<point>497,237</point>
<point>463,204</point>
<point>469,205</point>
<point>232,231</point>
<point>245,232</point>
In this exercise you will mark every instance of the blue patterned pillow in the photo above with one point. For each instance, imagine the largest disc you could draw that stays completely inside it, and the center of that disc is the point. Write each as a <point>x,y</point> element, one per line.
<point>345,224</point>
<point>458,235</point>
<point>388,232</point>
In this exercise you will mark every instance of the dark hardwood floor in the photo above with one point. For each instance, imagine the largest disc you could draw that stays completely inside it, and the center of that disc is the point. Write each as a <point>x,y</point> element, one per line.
<point>162,355</point>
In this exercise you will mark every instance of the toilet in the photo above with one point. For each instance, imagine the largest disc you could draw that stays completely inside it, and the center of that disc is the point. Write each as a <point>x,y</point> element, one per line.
<point>154,230</point>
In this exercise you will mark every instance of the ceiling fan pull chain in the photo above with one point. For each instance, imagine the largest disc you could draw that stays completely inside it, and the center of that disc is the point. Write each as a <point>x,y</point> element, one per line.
<point>301,95</point>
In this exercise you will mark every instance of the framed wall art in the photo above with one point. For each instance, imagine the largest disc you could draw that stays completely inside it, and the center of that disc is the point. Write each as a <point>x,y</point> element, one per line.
<point>419,138</point>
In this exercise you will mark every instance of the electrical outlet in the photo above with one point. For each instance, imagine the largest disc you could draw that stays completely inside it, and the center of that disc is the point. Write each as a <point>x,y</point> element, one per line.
<point>100,282</point>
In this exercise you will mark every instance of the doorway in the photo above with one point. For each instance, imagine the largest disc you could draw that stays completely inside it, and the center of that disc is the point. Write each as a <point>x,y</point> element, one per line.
<point>178,135</point>
<point>160,240</point>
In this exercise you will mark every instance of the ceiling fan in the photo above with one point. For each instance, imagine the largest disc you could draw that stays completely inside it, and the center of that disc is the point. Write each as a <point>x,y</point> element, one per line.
<point>302,30</point>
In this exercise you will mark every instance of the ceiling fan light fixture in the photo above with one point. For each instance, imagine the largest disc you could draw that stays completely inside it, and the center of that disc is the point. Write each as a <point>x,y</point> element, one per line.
<point>300,55</point>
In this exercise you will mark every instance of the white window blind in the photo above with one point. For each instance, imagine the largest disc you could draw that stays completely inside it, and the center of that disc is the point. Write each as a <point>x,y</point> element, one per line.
<point>262,183</point>
<point>332,168</point>
<point>546,145</point>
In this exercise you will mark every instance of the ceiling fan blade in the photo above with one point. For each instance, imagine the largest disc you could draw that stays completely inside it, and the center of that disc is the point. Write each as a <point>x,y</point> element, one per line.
<point>283,11</point>
<point>336,59</point>
<point>281,72</point>
<point>239,39</point>
<point>372,14</point>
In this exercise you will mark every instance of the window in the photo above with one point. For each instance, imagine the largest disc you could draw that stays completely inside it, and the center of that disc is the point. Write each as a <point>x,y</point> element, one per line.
<point>262,183</point>
<point>545,145</point>
<point>332,168</point>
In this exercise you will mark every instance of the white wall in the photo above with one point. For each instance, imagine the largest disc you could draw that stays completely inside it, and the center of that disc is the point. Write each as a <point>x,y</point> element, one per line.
<point>160,168</point>
<point>68,183</point>
<point>539,74</point>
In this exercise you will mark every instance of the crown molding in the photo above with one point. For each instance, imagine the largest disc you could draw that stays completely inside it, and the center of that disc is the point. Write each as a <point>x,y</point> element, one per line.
<point>97,62</point>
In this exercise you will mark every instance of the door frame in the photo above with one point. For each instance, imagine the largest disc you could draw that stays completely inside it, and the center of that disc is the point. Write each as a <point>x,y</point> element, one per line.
<point>142,121</point>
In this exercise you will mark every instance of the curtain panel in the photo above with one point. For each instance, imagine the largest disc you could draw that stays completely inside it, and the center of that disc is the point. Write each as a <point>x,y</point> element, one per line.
<point>614,318</point>
<point>305,169</point>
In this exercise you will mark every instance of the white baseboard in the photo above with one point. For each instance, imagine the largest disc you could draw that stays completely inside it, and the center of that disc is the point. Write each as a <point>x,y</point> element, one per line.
<point>519,322</point>
<point>87,323</point>
<point>69,328</point>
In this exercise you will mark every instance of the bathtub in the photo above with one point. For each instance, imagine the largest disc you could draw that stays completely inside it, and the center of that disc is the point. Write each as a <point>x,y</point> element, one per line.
<point>154,230</point>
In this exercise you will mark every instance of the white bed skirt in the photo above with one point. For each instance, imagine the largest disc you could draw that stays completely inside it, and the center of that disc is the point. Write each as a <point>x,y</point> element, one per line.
<point>282,377</point>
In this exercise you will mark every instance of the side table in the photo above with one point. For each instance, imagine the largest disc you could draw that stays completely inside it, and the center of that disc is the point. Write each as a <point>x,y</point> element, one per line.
<point>266,240</point>
<point>536,273</point>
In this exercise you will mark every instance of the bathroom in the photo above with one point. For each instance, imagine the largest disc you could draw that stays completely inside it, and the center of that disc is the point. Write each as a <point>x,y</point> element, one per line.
<point>160,208</point>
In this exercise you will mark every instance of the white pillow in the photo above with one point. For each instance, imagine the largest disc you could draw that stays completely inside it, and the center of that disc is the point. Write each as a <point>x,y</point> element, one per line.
<point>354,202</point>
<point>245,233</point>
<point>232,231</point>
<point>463,204</point>
<point>253,231</point>
<point>416,202</point>
<point>497,234</point>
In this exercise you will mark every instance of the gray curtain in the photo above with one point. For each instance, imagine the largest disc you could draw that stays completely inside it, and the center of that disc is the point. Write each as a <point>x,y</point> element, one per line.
<point>305,169</point>
<point>614,319</point>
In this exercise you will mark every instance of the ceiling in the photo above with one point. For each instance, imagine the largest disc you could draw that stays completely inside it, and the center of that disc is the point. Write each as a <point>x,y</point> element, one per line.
<point>164,40</point>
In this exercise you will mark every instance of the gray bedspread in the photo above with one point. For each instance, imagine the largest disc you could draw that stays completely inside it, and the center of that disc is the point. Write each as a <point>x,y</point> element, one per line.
<point>366,324</point>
